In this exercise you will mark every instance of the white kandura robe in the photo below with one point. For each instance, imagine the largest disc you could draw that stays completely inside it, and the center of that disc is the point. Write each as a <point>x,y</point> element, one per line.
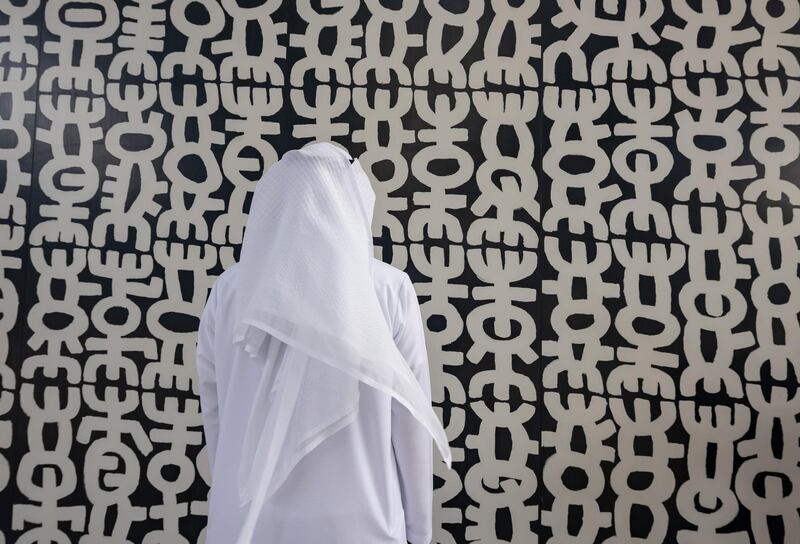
<point>369,483</point>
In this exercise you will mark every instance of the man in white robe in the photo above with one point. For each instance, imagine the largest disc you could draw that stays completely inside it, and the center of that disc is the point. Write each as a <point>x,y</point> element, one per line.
<point>369,481</point>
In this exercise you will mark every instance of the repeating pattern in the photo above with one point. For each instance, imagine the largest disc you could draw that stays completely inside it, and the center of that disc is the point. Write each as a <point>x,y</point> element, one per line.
<point>597,202</point>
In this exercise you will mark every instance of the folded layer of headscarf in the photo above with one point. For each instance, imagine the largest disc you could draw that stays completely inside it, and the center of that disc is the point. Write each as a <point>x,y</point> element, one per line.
<point>309,305</point>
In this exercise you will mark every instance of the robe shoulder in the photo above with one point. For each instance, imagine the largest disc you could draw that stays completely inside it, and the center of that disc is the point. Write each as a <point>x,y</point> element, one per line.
<point>221,288</point>
<point>229,273</point>
<point>393,287</point>
<point>384,273</point>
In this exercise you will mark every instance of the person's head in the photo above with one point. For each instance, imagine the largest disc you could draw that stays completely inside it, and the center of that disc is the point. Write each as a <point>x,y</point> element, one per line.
<point>315,187</point>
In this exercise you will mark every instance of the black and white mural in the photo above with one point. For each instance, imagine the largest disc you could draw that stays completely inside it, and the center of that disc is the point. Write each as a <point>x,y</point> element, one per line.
<point>598,202</point>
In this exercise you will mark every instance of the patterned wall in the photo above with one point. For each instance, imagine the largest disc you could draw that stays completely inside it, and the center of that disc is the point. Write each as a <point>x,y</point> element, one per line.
<point>597,201</point>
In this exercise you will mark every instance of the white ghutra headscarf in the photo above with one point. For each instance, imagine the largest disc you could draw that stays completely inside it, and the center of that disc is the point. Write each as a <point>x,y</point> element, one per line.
<point>305,268</point>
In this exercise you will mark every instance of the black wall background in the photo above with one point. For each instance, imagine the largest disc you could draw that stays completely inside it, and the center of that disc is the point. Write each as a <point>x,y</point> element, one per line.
<point>597,202</point>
